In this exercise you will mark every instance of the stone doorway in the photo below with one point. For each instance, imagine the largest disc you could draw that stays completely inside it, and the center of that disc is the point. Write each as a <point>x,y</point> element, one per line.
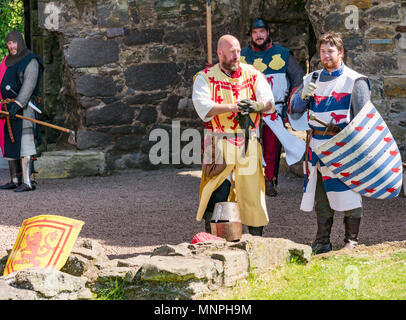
<point>289,23</point>
<point>46,45</point>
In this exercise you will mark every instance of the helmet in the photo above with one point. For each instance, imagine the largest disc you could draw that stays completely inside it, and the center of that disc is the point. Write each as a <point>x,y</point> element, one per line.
<point>226,221</point>
<point>259,23</point>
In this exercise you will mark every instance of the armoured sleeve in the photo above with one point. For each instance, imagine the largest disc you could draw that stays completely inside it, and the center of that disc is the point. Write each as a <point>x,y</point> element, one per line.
<point>294,72</point>
<point>297,104</point>
<point>360,95</point>
<point>29,83</point>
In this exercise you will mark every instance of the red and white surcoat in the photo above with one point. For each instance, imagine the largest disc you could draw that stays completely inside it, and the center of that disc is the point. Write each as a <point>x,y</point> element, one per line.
<point>212,86</point>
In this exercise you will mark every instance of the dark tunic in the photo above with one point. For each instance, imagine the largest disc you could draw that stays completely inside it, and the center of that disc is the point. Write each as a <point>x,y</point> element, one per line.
<point>13,77</point>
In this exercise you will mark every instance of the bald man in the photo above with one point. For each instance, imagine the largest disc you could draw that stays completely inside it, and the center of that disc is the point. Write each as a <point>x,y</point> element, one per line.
<point>220,93</point>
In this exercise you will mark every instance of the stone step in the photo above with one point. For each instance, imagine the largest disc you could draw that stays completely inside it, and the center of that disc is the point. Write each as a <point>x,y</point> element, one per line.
<point>68,164</point>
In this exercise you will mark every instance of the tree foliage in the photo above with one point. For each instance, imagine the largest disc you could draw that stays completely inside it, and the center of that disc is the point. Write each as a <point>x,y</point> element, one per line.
<point>11,18</point>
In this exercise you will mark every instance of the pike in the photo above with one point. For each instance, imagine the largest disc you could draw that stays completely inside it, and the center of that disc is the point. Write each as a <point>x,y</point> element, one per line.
<point>72,134</point>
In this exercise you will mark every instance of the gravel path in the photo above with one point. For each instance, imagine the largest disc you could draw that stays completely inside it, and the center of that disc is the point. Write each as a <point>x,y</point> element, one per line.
<point>132,212</point>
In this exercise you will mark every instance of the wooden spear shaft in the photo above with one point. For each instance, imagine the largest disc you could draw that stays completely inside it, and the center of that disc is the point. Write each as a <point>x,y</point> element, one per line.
<point>40,122</point>
<point>208,29</point>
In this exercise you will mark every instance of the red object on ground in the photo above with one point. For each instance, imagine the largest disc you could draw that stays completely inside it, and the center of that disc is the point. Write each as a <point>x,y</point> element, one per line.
<point>204,236</point>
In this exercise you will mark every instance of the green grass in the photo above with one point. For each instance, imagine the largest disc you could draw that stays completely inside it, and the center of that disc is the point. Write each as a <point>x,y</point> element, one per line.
<point>336,277</point>
<point>112,292</point>
<point>333,278</point>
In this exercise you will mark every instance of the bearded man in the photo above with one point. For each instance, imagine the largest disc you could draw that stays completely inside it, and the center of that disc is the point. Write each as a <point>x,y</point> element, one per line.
<point>20,74</point>
<point>220,94</point>
<point>336,97</point>
<point>284,75</point>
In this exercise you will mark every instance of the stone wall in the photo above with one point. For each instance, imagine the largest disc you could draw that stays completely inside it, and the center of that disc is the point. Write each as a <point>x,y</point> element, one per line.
<point>128,64</point>
<point>171,272</point>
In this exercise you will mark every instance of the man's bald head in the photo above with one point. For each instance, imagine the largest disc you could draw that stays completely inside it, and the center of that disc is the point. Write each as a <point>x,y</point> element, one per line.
<point>227,40</point>
<point>228,51</point>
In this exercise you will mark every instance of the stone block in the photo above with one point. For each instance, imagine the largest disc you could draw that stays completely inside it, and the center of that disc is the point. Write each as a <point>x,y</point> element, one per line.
<point>170,106</point>
<point>151,76</point>
<point>178,269</point>
<point>115,32</point>
<point>8,292</point>
<point>134,262</point>
<point>95,86</point>
<point>115,113</point>
<point>113,274</point>
<point>268,253</point>
<point>173,250</point>
<point>148,115</point>
<point>235,265</point>
<point>182,36</point>
<point>91,52</point>
<point>389,12</point>
<point>91,139</point>
<point>395,87</point>
<point>143,37</point>
<point>128,142</point>
<point>146,98</point>
<point>67,164</point>
<point>113,14</point>
<point>50,283</point>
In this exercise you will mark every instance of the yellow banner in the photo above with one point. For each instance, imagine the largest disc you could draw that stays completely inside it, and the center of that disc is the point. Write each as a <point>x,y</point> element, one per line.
<point>43,241</point>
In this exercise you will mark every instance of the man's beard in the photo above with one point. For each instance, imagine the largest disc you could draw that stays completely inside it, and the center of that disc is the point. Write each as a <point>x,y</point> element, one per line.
<point>331,64</point>
<point>262,46</point>
<point>229,66</point>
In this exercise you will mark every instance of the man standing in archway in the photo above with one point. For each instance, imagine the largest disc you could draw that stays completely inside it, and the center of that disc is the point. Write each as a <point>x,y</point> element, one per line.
<point>284,74</point>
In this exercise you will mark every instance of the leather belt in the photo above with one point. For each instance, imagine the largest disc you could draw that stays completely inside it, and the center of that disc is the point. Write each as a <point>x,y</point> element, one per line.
<point>324,133</point>
<point>10,132</point>
<point>309,135</point>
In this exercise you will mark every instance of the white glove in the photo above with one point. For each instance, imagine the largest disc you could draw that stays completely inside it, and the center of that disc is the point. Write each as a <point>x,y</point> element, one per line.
<point>308,90</point>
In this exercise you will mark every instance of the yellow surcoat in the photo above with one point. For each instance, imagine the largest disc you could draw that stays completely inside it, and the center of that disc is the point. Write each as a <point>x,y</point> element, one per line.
<point>248,188</point>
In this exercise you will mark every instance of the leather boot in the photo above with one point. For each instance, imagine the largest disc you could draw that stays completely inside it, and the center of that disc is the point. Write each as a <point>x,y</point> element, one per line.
<point>351,225</point>
<point>207,227</point>
<point>13,184</point>
<point>255,231</point>
<point>270,188</point>
<point>207,218</point>
<point>322,242</point>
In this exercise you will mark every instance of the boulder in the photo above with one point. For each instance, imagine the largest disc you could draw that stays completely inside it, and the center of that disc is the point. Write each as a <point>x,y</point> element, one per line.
<point>67,164</point>
<point>45,284</point>
<point>235,265</point>
<point>265,254</point>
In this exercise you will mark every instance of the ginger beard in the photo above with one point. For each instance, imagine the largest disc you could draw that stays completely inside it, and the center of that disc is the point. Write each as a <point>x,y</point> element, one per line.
<point>229,55</point>
<point>331,58</point>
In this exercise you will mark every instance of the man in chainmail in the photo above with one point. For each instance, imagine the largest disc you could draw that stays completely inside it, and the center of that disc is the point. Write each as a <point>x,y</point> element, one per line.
<point>20,74</point>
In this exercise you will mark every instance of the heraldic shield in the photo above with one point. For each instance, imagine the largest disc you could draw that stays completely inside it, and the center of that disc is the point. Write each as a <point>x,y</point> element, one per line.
<point>43,241</point>
<point>365,156</point>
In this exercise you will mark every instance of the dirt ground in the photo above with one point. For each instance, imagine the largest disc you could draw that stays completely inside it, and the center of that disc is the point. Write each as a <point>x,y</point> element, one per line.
<point>132,212</point>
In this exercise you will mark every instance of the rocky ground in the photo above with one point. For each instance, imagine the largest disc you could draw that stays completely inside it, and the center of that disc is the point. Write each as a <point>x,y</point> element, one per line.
<point>133,212</point>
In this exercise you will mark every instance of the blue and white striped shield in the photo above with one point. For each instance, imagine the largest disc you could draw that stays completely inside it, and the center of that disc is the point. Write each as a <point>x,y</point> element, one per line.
<point>365,156</point>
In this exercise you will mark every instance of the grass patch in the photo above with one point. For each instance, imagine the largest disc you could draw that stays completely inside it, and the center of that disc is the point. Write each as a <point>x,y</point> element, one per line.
<point>336,277</point>
<point>113,292</point>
